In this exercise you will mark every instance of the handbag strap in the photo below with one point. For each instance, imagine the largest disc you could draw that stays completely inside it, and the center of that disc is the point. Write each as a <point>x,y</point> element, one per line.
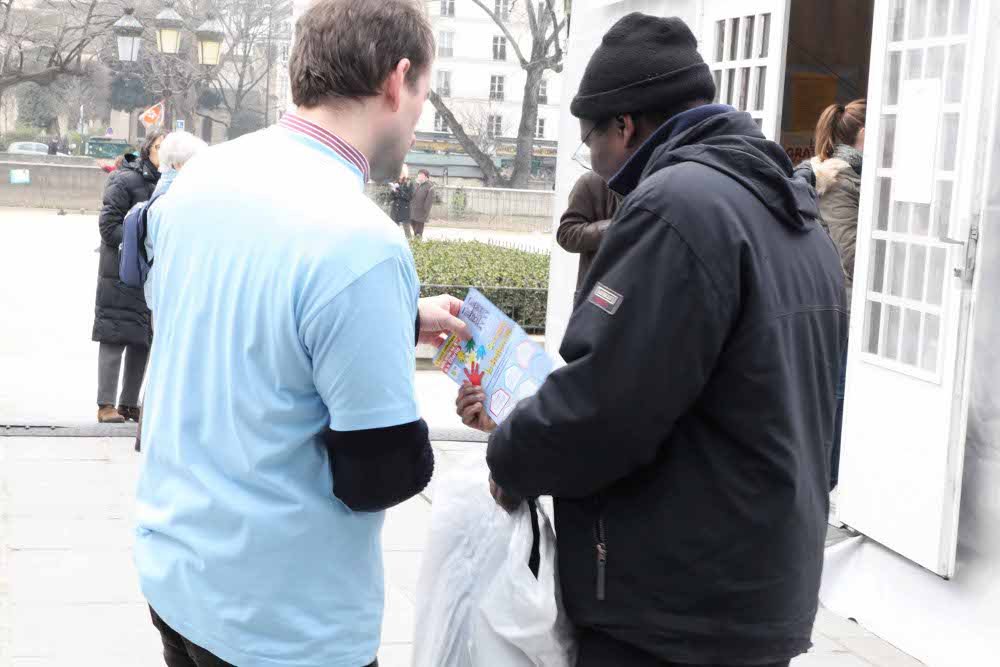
<point>534,559</point>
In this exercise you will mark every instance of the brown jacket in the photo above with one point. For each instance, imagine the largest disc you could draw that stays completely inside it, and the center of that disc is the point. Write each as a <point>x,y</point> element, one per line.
<point>591,207</point>
<point>839,190</point>
<point>420,204</point>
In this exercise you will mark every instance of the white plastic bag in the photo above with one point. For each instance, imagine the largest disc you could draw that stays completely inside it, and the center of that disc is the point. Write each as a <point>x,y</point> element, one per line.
<point>478,603</point>
<point>526,611</point>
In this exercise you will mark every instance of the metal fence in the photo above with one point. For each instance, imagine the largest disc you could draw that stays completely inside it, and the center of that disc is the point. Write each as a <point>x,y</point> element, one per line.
<point>526,306</point>
<point>483,208</point>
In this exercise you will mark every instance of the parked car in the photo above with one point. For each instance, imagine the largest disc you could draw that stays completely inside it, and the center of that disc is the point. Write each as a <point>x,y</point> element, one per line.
<point>28,148</point>
<point>105,147</point>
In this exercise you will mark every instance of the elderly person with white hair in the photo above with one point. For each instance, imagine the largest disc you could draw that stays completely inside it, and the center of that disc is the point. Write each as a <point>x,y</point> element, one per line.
<point>140,224</point>
<point>178,147</point>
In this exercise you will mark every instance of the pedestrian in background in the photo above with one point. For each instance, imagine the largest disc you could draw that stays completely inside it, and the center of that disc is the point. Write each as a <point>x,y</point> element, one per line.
<point>421,203</point>
<point>121,319</point>
<point>176,150</point>
<point>835,172</point>
<point>686,440</point>
<point>402,193</point>
<point>587,218</point>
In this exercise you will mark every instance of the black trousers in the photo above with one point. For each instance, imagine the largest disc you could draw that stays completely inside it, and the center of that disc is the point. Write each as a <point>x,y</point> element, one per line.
<point>599,650</point>
<point>179,652</point>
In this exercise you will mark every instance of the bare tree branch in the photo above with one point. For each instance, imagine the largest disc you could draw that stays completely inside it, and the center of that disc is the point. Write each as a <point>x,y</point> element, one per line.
<point>43,77</point>
<point>485,163</point>
<point>532,21</point>
<point>211,118</point>
<point>557,28</point>
<point>506,31</point>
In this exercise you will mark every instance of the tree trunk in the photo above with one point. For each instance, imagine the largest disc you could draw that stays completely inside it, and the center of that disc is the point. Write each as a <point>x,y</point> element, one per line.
<point>524,152</point>
<point>491,175</point>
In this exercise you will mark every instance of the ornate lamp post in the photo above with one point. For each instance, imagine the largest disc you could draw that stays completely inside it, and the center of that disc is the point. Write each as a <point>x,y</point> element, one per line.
<point>168,30</point>
<point>210,38</point>
<point>128,32</point>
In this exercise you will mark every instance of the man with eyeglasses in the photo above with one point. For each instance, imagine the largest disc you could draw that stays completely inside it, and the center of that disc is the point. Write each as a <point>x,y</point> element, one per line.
<point>686,442</point>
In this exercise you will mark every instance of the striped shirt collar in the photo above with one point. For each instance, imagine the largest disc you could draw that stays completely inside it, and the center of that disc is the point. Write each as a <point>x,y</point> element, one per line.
<point>345,150</point>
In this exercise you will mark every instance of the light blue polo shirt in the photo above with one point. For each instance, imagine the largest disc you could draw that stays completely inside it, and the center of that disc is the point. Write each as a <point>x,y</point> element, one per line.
<point>284,301</point>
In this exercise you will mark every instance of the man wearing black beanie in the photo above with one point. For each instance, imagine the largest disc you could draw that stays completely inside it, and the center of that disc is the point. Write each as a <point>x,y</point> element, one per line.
<point>686,440</point>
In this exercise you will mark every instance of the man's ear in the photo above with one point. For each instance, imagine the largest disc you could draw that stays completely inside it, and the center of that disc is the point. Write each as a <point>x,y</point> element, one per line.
<point>629,130</point>
<point>393,87</point>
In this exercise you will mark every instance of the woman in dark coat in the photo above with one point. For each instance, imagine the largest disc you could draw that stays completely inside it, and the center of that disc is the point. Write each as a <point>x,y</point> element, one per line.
<point>121,319</point>
<point>402,193</point>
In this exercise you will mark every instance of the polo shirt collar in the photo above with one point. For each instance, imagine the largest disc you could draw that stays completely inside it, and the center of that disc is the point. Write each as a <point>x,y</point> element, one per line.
<point>342,148</point>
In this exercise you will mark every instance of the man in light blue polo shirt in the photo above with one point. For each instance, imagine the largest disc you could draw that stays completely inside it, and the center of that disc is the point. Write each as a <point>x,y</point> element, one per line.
<point>280,413</point>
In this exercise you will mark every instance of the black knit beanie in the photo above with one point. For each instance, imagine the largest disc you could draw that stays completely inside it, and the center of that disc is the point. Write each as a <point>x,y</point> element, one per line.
<point>644,63</point>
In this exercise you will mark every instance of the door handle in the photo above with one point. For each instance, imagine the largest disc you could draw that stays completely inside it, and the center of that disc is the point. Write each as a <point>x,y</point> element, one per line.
<point>968,268</point>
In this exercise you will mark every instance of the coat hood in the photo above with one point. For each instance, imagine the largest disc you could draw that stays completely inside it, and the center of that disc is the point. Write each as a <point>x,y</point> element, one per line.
<point>829,172</point>
<point>731,143</point>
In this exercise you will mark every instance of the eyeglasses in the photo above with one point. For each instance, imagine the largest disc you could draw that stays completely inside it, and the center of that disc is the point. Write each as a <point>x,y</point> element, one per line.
<point>582,154</point>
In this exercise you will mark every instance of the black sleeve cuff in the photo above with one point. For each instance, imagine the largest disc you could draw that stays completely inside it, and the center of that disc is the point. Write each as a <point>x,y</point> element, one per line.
<point>378,468</point>
<point>416,330</point>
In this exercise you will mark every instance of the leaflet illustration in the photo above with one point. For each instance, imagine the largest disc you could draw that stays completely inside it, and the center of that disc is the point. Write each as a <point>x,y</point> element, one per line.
<point>500,357</point>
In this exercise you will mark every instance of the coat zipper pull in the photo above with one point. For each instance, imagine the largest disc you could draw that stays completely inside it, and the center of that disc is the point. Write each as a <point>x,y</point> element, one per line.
<point>602,563</point>
<point>602,558</point>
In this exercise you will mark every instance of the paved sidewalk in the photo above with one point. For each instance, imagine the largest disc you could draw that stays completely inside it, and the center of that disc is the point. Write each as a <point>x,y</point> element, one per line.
<point>68,591</point>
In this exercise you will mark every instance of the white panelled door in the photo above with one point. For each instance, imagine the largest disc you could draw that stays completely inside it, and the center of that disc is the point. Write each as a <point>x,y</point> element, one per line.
<point>904,428</point>
<point>744,42</point>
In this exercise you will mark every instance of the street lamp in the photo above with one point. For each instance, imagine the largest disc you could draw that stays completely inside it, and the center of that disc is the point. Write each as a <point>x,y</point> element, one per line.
<point>128,30</point>
<point>210,37</point>
<point>168,30</point>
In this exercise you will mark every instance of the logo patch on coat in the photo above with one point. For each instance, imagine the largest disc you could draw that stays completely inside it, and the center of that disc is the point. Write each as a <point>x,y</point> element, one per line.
<point>606,299</point>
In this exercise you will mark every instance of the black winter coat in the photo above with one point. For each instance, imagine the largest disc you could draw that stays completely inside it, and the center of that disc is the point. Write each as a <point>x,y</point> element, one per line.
<point>121,315</point>
<point>401,196</point>
<point>687,440</point>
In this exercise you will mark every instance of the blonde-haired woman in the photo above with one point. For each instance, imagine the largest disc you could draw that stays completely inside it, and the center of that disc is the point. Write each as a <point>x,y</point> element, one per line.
<point>835,172</point>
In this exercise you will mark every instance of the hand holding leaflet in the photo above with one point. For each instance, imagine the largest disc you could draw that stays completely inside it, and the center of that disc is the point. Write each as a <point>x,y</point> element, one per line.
<point>499,357</point>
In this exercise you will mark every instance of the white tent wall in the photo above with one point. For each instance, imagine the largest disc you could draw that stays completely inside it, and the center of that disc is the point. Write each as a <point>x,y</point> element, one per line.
<point>590,20</point>
<point>948,623</point>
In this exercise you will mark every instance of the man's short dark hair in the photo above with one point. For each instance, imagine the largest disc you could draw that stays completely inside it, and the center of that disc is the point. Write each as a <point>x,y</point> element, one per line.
<point>424,172</point>
<point>345,49</point>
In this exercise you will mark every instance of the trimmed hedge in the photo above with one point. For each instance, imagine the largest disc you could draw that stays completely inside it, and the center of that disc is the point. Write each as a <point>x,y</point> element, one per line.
<point>515,280</point>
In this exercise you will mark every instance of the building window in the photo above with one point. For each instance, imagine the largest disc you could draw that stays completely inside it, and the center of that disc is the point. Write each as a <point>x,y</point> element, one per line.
<point>499,48</point>
<point>494,125</point>
<point>447,7</point>
<point>543,92</point>
<point>540,129</point>
<point>444,83</point>
<point>446,44</point>
<point>440,124</point>
<point>502,8</point>
<point>283,53</point>
<point>496,88</point>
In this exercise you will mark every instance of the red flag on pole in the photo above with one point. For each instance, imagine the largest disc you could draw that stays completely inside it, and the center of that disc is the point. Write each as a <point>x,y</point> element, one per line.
<point>153,115</point>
